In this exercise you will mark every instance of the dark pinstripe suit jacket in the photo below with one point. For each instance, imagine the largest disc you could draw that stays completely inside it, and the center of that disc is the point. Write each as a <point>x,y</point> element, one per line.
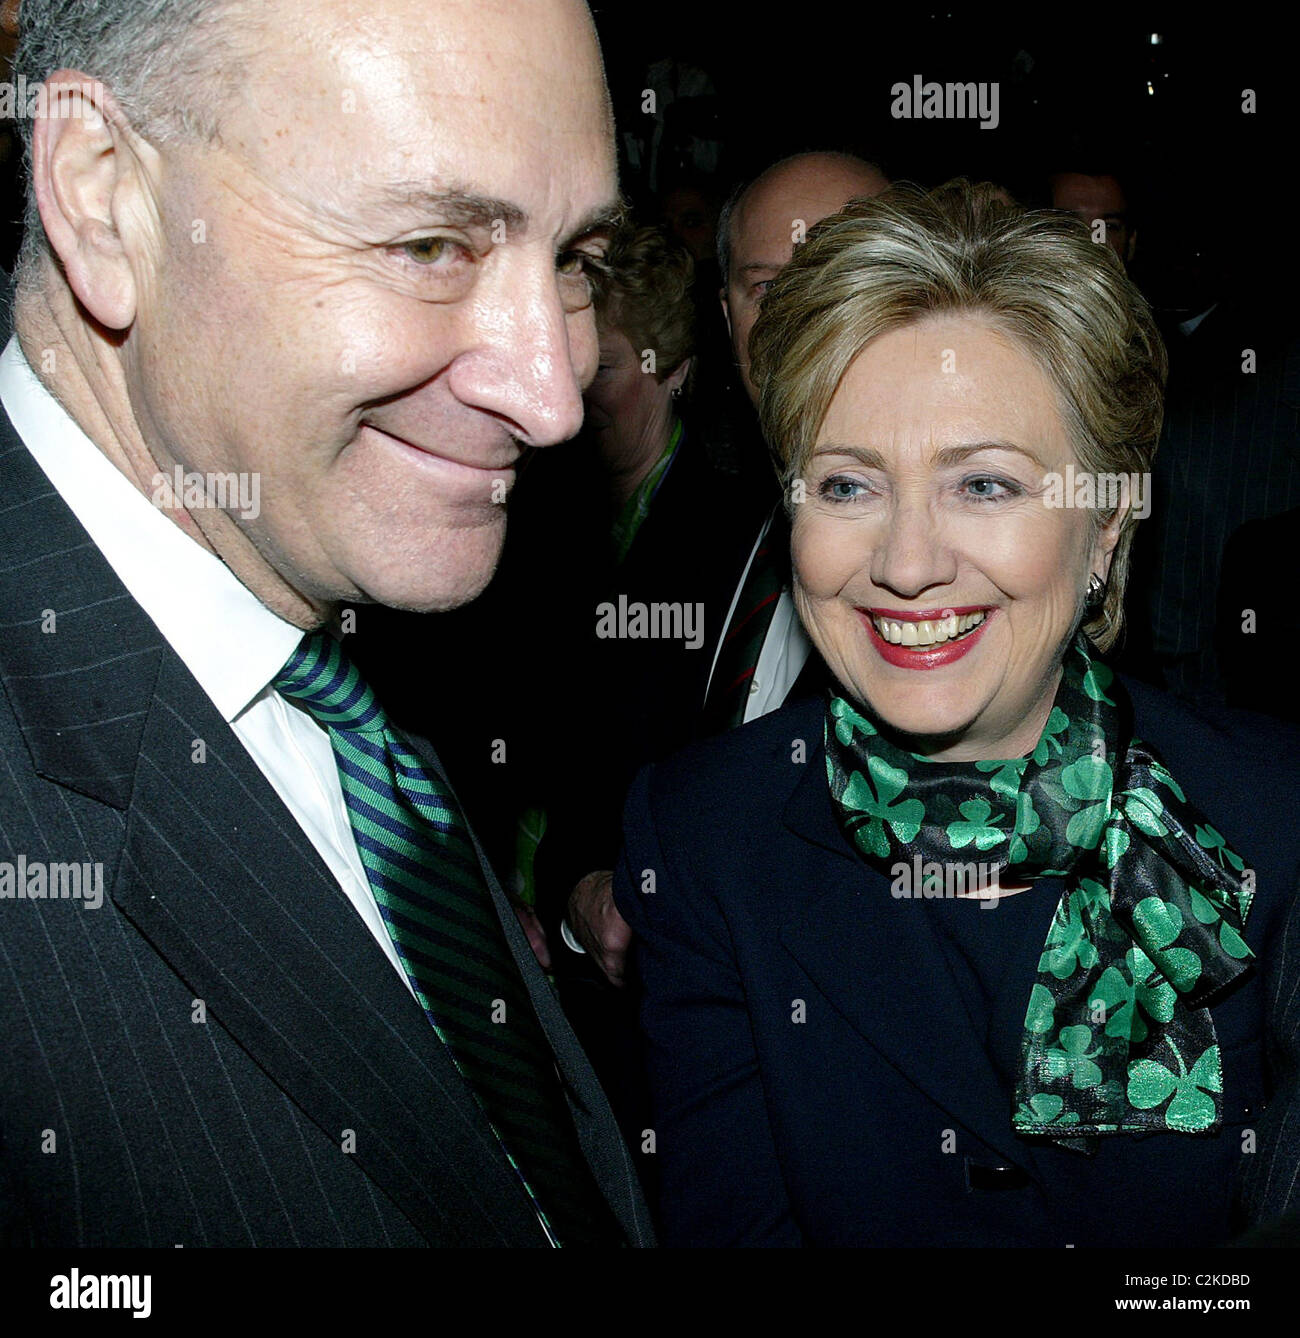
<point>129,1113</point>
<point>1229,453</point>
<point>1272,1180</point>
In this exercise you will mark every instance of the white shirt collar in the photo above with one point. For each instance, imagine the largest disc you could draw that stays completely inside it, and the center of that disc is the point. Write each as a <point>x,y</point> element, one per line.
<point>1188,326</point>
<point>228,639</point>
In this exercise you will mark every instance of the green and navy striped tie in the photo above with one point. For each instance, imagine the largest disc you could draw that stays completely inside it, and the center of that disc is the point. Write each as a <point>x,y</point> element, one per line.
<point>423,869</point>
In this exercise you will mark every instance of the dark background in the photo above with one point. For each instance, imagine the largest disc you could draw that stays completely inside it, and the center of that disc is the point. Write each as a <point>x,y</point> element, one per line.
<point>1080,86</point>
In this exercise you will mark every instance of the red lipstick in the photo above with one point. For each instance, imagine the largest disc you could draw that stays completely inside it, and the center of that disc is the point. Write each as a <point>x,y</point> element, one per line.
<point>906,657</point>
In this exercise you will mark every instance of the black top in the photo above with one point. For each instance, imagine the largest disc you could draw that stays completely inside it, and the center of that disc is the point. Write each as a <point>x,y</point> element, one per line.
<point>834,1066</point>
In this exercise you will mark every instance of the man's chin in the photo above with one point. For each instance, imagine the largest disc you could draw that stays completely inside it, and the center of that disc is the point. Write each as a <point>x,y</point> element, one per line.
<point>436,586</point>
<point>430,591</point>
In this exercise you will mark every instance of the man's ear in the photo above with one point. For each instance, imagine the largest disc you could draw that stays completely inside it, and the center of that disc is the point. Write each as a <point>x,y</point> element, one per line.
<point>726,309</point>
<point>86,174</point>
<point>1131,248</point>
<point>9,18</point>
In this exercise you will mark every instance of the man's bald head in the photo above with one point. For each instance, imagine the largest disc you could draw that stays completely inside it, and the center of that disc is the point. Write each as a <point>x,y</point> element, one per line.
<point>760,227</point>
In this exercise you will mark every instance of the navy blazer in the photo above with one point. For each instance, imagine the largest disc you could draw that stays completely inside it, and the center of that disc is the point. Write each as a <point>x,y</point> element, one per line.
<point>817,1079</point>
<point>220,1053</point>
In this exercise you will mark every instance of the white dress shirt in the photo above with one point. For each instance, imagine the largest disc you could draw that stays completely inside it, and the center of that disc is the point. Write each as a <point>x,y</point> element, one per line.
<point>227,638</point>
<point>784,652</point>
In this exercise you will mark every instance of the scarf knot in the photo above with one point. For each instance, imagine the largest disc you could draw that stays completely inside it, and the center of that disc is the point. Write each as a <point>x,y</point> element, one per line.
<point>1118,1036</point>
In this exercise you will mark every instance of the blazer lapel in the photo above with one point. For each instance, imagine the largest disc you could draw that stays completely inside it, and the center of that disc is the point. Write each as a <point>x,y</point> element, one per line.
<point>857,942</point>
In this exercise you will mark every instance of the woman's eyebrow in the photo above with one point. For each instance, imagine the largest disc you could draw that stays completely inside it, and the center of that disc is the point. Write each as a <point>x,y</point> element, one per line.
<point>948,455</point>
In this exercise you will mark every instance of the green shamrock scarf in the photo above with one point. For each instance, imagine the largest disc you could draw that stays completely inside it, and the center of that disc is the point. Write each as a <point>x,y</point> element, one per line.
<point>1118,1034</point>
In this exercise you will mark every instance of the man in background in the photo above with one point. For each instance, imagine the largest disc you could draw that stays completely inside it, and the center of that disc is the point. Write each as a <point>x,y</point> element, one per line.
<point>763,648</point>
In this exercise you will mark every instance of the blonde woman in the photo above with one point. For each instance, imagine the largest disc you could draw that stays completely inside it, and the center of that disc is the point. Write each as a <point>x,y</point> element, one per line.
<point>975,951</point>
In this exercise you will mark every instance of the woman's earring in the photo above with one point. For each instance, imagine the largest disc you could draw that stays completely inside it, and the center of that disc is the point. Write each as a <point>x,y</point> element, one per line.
<point>1096,595</point>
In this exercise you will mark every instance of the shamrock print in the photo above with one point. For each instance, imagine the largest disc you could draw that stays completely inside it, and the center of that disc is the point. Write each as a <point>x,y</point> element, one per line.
<point>1142,807</point>
<point>1041,1014</point>
<point>847,720</point>
<point>1072,1058</point>
<point>1191,1109</point>
<point>1129,993</point>
<point>1204,910</point>
<point>1161,922</point>
<point>1088,778</point>
<point>1097,679</point>
<point>1217,845</point>
<point>1057,723</point>
<point>1068,946</point>
<point>904,819</point>
<point>1045,1108</point>
<point>1161,773</point>
<point>1007,775</point>
<point>976,827</point>
<point>1108,1018</point>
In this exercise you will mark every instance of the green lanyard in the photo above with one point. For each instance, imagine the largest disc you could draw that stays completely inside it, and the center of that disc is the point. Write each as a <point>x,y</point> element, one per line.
<point>636,508</point>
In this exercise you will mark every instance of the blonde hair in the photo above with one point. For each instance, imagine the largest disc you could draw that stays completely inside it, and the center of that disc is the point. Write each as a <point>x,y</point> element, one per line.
<point>889,261</point>
<point>645,291</point>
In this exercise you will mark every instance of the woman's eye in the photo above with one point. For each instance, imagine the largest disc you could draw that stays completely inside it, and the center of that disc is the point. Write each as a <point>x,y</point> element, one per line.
<point>839,489</point>
<point>984,488</point>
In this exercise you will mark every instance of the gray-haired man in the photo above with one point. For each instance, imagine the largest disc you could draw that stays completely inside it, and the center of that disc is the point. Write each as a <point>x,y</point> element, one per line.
<point>300,284</point>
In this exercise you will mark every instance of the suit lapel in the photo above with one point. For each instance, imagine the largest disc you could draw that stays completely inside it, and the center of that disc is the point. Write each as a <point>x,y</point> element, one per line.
<point>216,874</point>
<point>852,937</point>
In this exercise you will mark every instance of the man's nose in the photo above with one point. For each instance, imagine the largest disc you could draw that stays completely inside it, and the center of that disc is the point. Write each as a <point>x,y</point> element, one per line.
<point>912,555</point>
<point>530,357</point>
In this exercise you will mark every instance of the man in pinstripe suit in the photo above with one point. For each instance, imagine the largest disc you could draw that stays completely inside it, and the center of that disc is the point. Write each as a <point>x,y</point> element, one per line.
<point>295,295</point>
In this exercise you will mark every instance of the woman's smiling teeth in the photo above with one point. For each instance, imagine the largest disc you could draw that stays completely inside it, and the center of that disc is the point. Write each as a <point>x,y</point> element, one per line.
<point>929,633</point>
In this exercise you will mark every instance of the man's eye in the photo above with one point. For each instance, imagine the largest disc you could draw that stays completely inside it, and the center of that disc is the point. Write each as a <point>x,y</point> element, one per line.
<point>761,287</point>
<point>577,264</point>
<point>430,250</point>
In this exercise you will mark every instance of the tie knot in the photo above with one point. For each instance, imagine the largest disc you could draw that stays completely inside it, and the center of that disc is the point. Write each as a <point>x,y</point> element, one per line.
<point>320,676</point>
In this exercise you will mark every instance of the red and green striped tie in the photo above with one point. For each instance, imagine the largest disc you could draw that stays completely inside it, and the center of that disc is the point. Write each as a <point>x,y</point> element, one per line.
<point>416,849</point>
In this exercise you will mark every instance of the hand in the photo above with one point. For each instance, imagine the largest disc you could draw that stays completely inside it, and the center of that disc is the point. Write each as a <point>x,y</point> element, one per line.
<point>598,926</point>
<point>532,926</point>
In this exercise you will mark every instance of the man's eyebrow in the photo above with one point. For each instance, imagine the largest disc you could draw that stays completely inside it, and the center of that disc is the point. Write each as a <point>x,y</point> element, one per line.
<point>460,208</point>
<point>949,455</point>
<point>457,207</point>
<point>604,218</point>
<point>755,266</point>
